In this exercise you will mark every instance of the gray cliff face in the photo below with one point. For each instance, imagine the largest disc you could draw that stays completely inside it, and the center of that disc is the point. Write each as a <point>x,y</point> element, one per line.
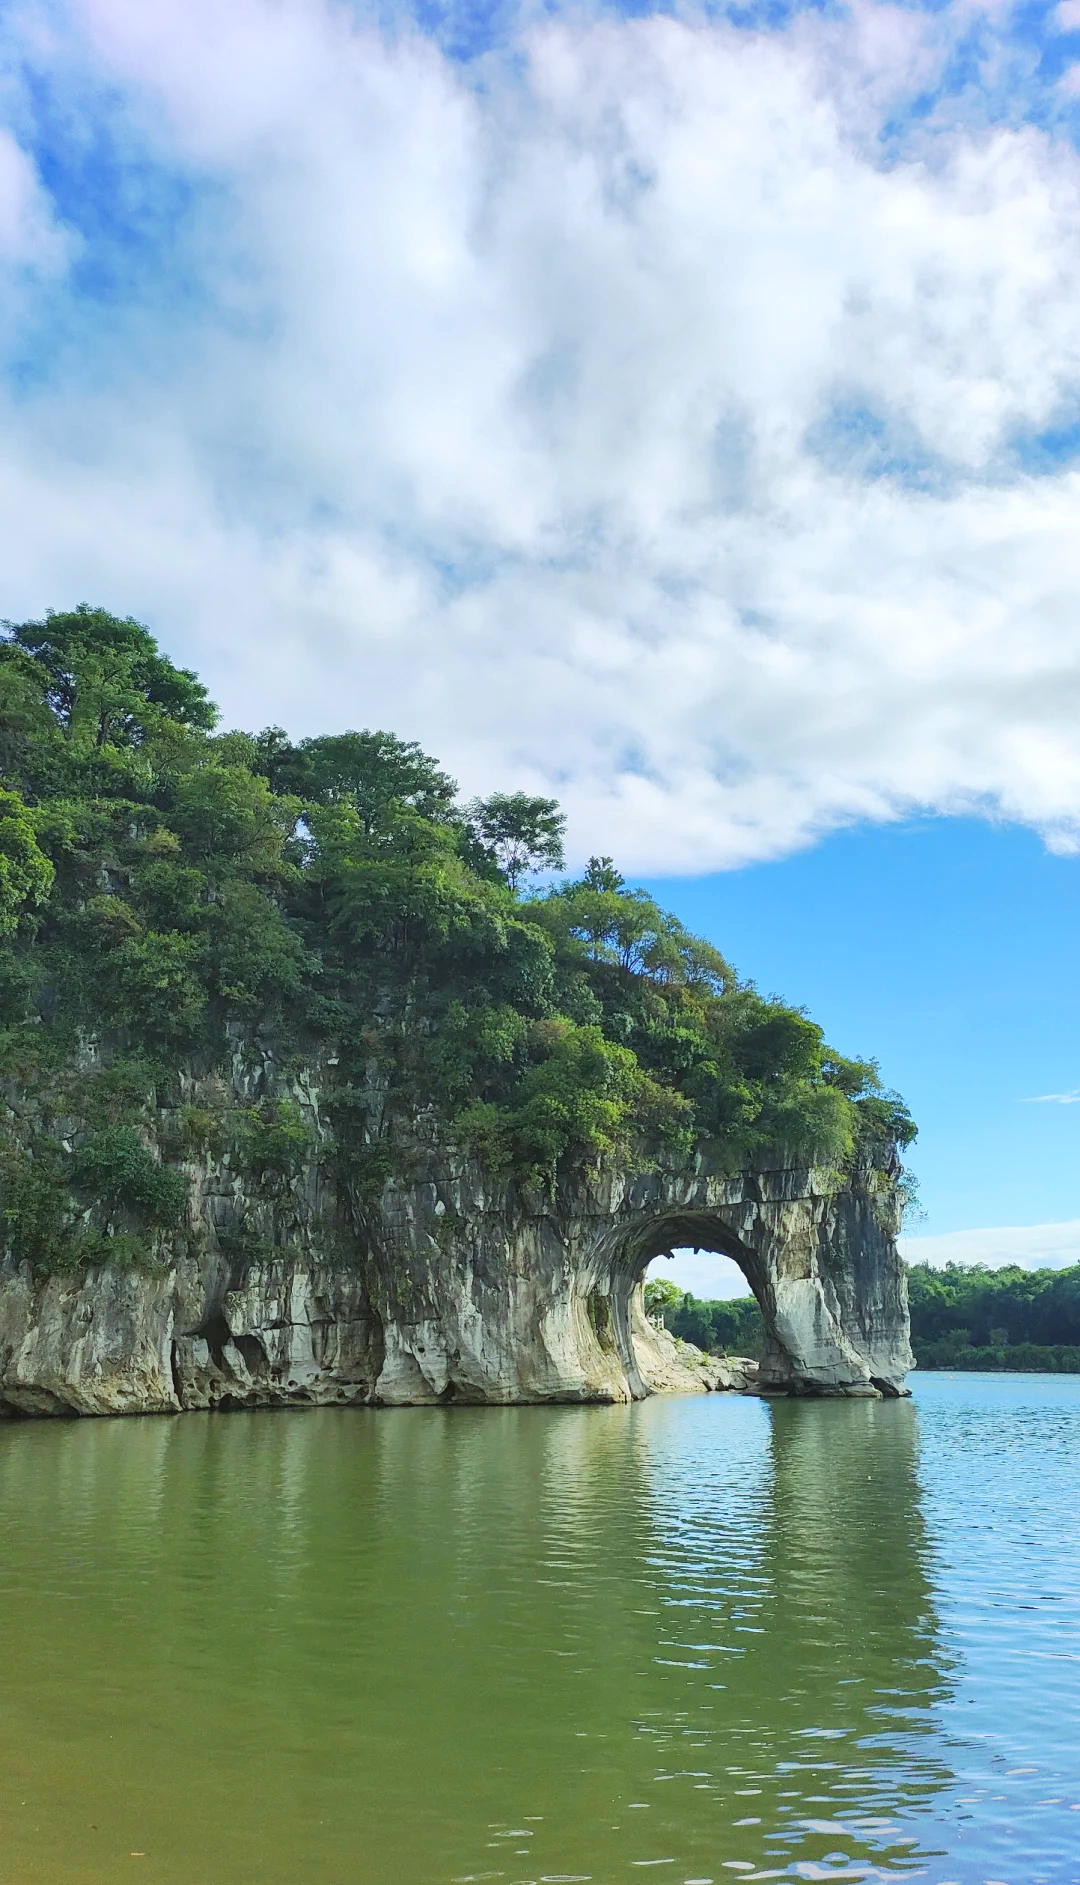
<point>541,1305</point>
<point>453,1287</point>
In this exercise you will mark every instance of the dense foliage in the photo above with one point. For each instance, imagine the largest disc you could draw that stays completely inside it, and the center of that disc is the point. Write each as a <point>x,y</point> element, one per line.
<point>734,1327</point>
<point>966,1316</point>
<point>172,896</point>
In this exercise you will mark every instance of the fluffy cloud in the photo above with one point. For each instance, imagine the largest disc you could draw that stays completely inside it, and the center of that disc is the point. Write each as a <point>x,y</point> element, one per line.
<point>630,413</point>
<point>27,237</point>
<point>1032,1246</point>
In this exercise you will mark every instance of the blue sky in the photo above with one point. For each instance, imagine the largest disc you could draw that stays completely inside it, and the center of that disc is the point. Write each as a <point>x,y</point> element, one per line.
<point>674,410</point>
<point>947,949</point>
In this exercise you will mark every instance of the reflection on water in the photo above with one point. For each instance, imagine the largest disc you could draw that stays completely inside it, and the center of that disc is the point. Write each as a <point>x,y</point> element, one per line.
<point>819,1744</point>
<point>695,1639</point>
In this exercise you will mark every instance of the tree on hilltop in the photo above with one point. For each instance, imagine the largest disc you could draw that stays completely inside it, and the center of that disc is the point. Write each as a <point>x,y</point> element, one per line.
<point>522,833</point>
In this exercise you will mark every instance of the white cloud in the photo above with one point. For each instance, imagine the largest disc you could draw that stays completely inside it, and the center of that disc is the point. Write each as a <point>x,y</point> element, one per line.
<point>1071,1098</point>
<point>27,234</point>
<point>623,423</point>
<point>1032,1246</point>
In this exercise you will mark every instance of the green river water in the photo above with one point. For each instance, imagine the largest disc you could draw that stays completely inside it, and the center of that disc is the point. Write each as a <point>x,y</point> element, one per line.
<point>695,1639</point>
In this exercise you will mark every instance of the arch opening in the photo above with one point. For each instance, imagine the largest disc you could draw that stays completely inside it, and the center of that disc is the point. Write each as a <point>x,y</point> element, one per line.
<point>628,1254</point>
<point>697,1231</point>
<point>707,1275</point>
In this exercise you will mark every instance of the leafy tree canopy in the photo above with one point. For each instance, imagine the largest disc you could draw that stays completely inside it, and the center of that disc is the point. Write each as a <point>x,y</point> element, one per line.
<point>105,679</point>
<point>522,834</point>
<point>660,1294</point>
<point>376,773</point>
<point>26,874</point>
<point>969,1316</point>
<point>169,893</point>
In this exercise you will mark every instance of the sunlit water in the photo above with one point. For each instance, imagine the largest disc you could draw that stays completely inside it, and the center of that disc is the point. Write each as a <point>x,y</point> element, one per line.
<point>700,1639</point>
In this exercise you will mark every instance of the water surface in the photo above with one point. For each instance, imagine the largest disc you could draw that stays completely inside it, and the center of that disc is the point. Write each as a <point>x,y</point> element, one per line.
<point>696,1639</point>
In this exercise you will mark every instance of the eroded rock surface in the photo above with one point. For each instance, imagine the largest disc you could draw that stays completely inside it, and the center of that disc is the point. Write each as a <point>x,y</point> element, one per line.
<point>451,1288</point>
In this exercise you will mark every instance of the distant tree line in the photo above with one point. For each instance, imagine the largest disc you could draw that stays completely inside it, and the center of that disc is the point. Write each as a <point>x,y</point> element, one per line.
<point>721,1328</point>
<point>964,1316</point>
<point>967,1316</point>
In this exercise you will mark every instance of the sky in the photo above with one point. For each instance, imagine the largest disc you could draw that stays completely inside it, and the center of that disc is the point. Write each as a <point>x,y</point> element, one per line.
<point>675,409</point>
<point>946,949</point>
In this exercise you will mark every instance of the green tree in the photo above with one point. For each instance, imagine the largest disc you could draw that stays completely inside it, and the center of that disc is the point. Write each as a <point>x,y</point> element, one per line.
<point>661,1294</point>
<point>629,929</point>
<point>26,875</point>
<point>229,820</point>
<point>522,833</point>
<point>107,681</point>
<point>373,772</point>
<point>27,726</point>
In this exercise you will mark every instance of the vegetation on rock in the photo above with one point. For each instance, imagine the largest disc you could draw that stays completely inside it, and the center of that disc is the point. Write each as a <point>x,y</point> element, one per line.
<point>176,901</point>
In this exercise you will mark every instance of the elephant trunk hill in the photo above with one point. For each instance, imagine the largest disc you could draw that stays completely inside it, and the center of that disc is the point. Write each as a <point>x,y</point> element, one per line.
<point>310,1095</point>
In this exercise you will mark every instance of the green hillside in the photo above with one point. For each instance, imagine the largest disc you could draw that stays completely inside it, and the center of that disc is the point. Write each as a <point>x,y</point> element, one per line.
<point>173,896</point>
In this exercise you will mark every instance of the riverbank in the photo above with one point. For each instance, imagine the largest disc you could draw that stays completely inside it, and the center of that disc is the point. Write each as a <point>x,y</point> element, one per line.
<point>1025,1358</point>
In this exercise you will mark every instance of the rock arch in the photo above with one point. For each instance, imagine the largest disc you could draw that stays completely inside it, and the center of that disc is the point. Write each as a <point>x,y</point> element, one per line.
<point>819,1254</point>
<point>455,1288</point>
<point>546,1298</point>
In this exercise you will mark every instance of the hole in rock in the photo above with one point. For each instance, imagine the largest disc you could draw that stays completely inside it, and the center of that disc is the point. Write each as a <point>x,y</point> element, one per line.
<point>715,1308</point>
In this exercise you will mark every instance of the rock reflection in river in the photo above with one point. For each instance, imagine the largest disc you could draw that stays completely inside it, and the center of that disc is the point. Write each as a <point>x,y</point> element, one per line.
<point>697,1635</point>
